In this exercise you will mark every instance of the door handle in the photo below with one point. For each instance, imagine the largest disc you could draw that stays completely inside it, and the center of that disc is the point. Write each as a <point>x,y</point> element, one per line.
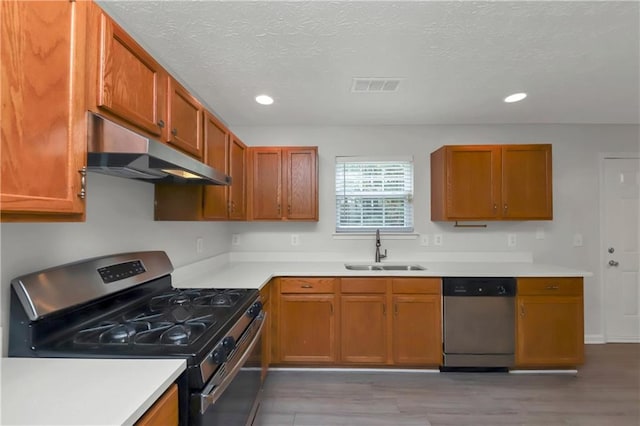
<point>613,263</point>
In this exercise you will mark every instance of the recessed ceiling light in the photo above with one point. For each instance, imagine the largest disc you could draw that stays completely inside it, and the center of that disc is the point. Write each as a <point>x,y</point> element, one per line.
<point>516,97</point>
<point>264,99</point>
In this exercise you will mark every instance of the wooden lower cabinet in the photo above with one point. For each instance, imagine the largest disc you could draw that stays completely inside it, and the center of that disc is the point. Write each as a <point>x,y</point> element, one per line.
<point>549,322</point>
<point>306,320</point>
<point>307,328</point>
<point>363,329</point>
<point>164,412</point>
<point>417,321</point>
<point>417,332</point>
<point>356,320</point>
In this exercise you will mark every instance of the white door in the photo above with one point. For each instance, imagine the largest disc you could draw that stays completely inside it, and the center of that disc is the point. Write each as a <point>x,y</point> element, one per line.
<point>620,238</point>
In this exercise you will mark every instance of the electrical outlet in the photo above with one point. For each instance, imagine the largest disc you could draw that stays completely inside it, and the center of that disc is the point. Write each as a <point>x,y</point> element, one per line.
<point>199,245</point>
<point>437,240</point>
<point>235,239</point>
<point>577,240</point>
<point>512,240</point>
<point>539,233</point>
<point>295,239</point>
<point>424,239</point>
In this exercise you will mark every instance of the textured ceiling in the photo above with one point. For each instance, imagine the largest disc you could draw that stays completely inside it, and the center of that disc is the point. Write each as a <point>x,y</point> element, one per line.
<point>579,61</point>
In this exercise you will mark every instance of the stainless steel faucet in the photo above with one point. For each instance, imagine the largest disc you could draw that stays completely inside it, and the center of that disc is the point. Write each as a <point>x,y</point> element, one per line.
<point>378,255</point>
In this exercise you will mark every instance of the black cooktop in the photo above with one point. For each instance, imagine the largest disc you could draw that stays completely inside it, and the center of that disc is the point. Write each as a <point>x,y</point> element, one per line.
<point>178,317</point>
<point>175,322</point>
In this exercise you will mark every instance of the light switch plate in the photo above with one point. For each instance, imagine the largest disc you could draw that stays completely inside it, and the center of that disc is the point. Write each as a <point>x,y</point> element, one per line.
<point>424,239</point>
<point>199,245</point>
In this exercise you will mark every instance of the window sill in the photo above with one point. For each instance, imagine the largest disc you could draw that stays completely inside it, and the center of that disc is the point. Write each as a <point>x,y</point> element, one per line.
<point>372,236</point>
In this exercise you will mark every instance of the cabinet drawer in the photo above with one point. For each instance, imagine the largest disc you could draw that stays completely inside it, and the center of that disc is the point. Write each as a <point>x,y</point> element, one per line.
<point>550,286</point>
<point>308,285</point>
<point>417,285</point>
<point>364,285</point>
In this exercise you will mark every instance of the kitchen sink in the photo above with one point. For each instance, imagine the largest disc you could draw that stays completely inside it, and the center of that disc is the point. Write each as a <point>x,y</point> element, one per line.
<point>361,267</point>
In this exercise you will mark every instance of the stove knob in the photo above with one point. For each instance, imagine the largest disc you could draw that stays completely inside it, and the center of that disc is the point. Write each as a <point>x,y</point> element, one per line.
<point>501,290</point>
<point>229,344</point>
<point>219,355</point>
<point>255,310</point>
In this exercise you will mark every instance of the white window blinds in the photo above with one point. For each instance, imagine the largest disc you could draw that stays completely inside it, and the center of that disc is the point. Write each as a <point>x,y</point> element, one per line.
<point>374,194</point>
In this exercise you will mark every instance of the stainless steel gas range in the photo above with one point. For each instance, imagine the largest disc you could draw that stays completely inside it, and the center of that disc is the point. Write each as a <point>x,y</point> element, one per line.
<point>125,306</point>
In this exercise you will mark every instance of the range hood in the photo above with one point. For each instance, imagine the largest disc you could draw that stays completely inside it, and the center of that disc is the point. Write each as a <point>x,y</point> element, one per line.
<point>117,151</point>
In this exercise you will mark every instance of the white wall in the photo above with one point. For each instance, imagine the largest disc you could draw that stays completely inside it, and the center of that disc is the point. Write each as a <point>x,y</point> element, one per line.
<point>575,186</point>
<point>119,219</point>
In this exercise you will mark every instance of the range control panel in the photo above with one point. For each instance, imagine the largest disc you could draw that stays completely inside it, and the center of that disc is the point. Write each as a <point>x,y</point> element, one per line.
<point>121,271</point>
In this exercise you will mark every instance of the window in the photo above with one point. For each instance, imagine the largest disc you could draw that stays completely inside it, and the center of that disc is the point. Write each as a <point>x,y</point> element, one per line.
<point>374,194</point>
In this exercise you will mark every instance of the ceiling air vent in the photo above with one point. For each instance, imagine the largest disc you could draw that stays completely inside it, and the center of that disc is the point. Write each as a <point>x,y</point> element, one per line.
<point>375,85</point>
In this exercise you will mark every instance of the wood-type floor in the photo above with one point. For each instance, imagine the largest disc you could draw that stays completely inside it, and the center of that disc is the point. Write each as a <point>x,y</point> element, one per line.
<point>606,392</point>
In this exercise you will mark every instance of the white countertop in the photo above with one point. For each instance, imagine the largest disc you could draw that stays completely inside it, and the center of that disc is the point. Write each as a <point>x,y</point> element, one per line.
<point>56,391</point>
<point>251,274</point>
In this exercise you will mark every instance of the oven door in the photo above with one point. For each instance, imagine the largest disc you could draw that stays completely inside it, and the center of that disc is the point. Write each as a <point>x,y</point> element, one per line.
<point>231,397</point>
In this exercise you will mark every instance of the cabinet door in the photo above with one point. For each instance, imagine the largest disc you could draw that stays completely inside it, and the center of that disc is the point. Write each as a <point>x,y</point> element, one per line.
<point>184,120</point>
<point>131,85</point>
<point>363,330</point>
<point>216,142</point>
<point>473,182</point>
<point>266,183</point>
<point>237,171</point>
<point>417,330</point>
<point>549,331</point>
<point>526,182</point>
<point>164,412</point>
<point>306,328</point>
<point>301,183</point>
<point>43,107</point>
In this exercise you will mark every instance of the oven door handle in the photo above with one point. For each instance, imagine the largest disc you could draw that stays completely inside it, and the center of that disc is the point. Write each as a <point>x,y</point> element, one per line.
<point>209,398</point>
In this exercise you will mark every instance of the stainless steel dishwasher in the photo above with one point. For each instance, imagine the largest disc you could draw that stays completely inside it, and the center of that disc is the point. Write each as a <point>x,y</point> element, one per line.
<point>478,322</point>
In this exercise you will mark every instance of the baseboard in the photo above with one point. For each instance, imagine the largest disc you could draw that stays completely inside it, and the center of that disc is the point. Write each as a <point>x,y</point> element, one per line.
<point>614,339</point>
<point>568,371</point>
<point>355,370</point>
<point>594,339</point>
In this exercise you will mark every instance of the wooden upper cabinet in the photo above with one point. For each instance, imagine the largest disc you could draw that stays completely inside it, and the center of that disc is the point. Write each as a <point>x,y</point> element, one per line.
<point>491,182</point>
<point>216,141</point>
<point>237,171</point>
<point>266,175</point>
<point>184,120</point>
<point>527,182</point>
<point>301,183</point>
<point>284,183</point>
<point>130,86</point>
<point>43,117</point>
